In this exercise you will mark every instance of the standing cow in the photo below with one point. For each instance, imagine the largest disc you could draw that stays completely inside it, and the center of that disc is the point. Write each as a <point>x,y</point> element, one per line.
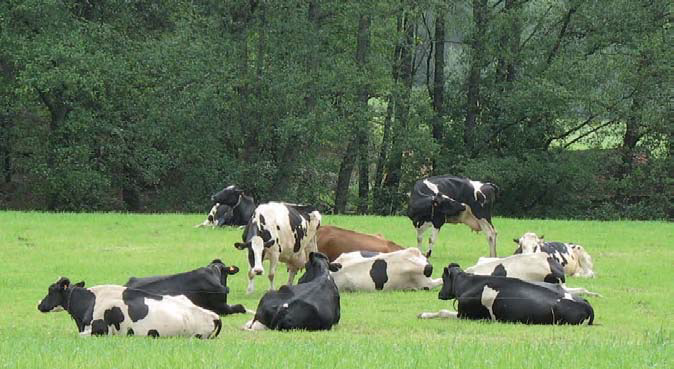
<point>242,205</point>
<point>406,269</point>
<point>575,260</point>
<point>205,287</point>
<point>311,305</point>
<point>435,201</point>
<point>509,300</point>
<point>279,232</point>
<point>117,310</point>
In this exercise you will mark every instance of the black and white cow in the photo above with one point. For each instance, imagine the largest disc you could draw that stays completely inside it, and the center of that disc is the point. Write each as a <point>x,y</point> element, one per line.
<point>313,304</point>
<point>242,205</point>
<point>509,300</point>
<point>205,287</point>
<point>406,269</point>
<point>537,267</point>
<point>279,232</point>
<point>435,201</point>
<point>220,215</point>
<point>117,310</point>
<point>575,260</point>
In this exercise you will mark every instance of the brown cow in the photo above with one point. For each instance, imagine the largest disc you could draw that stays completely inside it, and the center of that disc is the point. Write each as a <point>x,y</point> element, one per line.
<point>334,241</point>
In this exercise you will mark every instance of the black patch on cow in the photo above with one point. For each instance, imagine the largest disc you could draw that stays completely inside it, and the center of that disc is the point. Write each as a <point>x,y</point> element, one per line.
<point>428,270</point>
<point>299,231</point>
<point>499,271</point>
<point>81,306</point>
<point>99,327</point>
<point>263,222</point>
<point>130,332</point>
<point>135,300</point>
<point>278,227</point>
<point>218,326</point>
<point>113,316</point>
<point>550,279</point>
<point>368,254</point>
<point>153,333</point>
<point>378,274</point>
<point>251,257</point>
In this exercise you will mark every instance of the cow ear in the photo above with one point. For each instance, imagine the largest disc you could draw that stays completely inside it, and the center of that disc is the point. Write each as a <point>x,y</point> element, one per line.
<point>269,243</point>
<point>232,269</point>
<point>542,237</point>
<point>79,284</point>
<point>516,241</point>
<point>334,267</point>
<point>64,282</point>
<point>241,245</point>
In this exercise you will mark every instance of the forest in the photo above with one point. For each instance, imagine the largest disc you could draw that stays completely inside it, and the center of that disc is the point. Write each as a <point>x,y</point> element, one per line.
<point>153,105</point>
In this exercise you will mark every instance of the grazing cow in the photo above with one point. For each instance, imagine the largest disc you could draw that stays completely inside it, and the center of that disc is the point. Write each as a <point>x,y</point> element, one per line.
<point>205,287</point>
<point>406,269</point>
<point>509,300</point>
<point>279,232</point>
<point>435,201</point>
<point>334,241</point>
<point>313,304</point>
<point>242,206</point>
<point>575,260</point>
<point>219,216</point>
<point>117,310</point>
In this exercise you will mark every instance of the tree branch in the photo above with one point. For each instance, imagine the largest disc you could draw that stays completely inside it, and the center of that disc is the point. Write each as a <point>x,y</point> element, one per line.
<point>593,130</point>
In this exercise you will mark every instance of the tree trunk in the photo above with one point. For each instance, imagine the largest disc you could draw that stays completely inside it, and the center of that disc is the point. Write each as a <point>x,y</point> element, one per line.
<point>474,75</point>
<point>383,147</point>
<point>438,81</point>
<point>362,50</point>
<point>344,176</point>
<point>402,96</point>
<point>57,112</point>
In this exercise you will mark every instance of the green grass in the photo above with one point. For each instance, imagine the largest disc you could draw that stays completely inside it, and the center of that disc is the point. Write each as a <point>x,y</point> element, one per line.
<point>633,260</point>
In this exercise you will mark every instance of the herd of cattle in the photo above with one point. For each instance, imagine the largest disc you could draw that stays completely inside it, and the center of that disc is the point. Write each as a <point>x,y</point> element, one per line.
<point>527,287</point>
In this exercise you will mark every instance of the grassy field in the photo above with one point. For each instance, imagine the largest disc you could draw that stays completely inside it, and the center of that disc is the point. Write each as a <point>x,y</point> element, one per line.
<point>634,262</point>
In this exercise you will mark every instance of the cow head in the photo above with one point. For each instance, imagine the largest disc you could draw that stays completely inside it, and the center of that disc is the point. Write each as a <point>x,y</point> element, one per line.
<point>318,265</point>
<point>57,294</point>
<point>528,243</point>
<point>223,270</point>
<point>446,205</point>
<point>255,248</point>
<point>448,274</point>
<point>228,196</point>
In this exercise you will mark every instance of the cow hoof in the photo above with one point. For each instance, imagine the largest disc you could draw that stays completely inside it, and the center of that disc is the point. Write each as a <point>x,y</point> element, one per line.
<point>428,254</point>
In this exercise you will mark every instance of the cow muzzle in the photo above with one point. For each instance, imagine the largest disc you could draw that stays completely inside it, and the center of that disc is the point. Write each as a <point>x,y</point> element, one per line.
<point>258,271</point>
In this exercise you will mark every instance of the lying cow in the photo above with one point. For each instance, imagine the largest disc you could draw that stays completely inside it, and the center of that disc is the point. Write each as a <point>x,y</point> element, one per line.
<point>334,241</point>
<point>575,260</point>
<point>538,267</point>
<point>313,304</point>
<point>220,215</point>
<point>242,205</point>
<point>205,287</point>
<point>437,200</point>
<point>509,300</point>
<point>279,232</point>
<point>406,269</point>
<point>117,310</point>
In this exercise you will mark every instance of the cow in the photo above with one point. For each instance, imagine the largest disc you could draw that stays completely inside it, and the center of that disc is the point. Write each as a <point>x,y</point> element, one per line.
<point>206,287</point>
<point>575,260</point>
<point>406,269</point>
<point>509,300</point>
<point>279,232</point>
<point>334,241</point>
<point>117,310</point>
<point>537,267</point>
<point>242,205</point>
<point>437,200</point>
<point>219,216</point>
<point>313,304</point>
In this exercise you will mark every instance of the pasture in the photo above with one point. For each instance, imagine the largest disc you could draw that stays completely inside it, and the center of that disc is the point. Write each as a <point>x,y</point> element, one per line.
<point>634,262</point>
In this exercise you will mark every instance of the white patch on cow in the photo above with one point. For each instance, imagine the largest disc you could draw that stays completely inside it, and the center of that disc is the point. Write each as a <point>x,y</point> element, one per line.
<point>477,185</point>
<point>487,299</point>
<point>431,186</point>
<point>568,296</point>
<point>254,325</point>
<point>230,187</point>
<point>527,267</point>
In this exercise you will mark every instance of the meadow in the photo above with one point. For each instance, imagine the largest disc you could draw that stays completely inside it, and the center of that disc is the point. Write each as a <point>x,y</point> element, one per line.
<point>634,263</point>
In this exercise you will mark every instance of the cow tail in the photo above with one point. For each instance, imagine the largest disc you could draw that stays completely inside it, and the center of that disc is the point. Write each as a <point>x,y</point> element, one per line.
<point>217,328</point>
<point>590,311</point>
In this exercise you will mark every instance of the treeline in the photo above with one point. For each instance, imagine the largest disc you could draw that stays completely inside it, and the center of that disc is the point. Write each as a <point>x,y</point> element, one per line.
<point>153,105</point>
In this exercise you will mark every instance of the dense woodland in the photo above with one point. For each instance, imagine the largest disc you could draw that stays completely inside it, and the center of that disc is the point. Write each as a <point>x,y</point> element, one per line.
<point>152,105</point>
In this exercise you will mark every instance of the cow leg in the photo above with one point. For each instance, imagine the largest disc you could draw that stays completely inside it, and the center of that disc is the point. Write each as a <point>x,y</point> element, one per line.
<point>292,272</point>
<point>420,234</point>
<point>251,284</point>
<point>431,240</point>
<point>442,314</point>
<point>254,325</point>
<point>491,233</point>
<point>273,262</point>
<point>580,291</point>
